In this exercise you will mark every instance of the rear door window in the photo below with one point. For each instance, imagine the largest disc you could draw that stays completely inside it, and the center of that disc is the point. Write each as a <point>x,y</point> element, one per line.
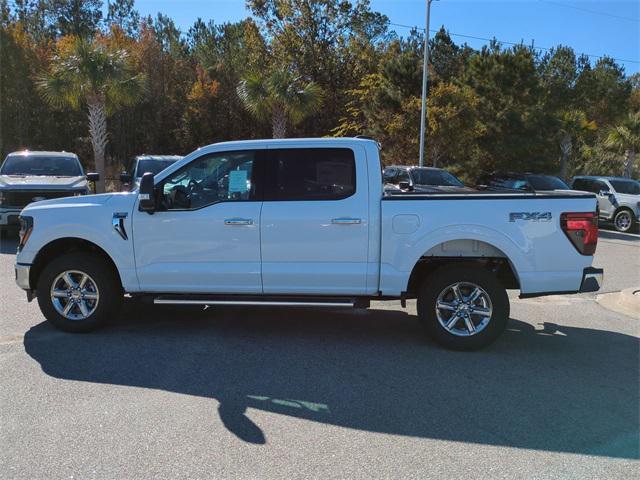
<point>310,174</point>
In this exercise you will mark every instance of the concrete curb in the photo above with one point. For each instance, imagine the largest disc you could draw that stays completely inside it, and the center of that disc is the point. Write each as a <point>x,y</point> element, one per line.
<point>627,301</point>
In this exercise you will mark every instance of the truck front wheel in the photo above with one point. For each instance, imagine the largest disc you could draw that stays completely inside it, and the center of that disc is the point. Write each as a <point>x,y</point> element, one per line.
<point>463,307</point>
<point>78,292</point>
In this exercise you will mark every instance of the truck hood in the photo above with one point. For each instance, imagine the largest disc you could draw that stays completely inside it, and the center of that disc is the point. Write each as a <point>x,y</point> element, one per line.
<point>80,201</point>
<point>41,182</point>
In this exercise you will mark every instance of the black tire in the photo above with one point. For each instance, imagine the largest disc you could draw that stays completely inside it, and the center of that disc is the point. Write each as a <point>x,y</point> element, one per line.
<point>440,281</point>
<point>107,284</point>
<point>632,221</point>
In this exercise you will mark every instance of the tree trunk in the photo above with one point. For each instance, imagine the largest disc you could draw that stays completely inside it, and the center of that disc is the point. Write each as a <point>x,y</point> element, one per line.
<point>629,159</point>
<point>436,154</point>
<point>565,151</point>
<point>98,133</point>
<point>279,122</point>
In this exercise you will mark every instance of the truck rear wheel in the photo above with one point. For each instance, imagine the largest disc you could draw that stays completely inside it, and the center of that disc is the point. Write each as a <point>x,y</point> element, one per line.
<point>79,292</point>
<point>463,307</point>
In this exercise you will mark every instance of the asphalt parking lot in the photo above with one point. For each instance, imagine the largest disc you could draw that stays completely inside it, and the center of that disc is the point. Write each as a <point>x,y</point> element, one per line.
<point>256,393</point>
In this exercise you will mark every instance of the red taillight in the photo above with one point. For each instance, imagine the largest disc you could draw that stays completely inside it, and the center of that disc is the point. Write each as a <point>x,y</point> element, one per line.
<point>582,229</point>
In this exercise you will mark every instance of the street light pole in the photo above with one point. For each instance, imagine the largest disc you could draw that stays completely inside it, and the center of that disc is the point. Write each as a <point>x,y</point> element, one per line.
<point>425,74</point>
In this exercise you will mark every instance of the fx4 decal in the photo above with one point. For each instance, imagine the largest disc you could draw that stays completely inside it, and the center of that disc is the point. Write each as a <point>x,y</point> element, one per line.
<point>530,216</point>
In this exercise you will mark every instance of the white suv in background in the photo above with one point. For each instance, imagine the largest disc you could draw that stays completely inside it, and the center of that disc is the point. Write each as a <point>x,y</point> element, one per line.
<point>618,199</point>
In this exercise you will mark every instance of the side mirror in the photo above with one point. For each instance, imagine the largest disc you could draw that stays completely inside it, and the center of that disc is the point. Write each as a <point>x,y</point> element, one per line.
<point>605,193</point>
<point>125,177</point>
<point>93,177</point>
<point>405,186</point>
<point>146,194</point>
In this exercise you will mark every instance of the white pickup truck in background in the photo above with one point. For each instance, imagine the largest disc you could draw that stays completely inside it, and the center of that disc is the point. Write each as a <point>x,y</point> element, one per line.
<point>304,223</point>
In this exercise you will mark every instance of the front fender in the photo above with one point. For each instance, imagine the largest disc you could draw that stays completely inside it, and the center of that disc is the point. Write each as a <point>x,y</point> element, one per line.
<point>92,222</point>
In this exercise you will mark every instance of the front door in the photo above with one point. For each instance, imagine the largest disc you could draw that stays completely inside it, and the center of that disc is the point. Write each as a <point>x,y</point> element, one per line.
<point>205,235</point>
<point>315,222</point>
<point>606,198</point>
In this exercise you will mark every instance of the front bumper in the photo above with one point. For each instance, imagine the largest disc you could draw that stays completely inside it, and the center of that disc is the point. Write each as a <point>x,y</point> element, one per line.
<point>592,279</point>
<point>22,276</point>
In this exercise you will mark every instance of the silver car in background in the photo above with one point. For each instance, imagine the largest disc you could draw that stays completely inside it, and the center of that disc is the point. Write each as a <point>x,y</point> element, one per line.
<point>618,199</point>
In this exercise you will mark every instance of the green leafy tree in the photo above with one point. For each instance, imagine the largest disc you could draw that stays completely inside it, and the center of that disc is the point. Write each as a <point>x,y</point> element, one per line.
<point>572,125</point>
<point>330,42</point>
<point>453,125</point>
<point>89,74</point>
<point>518,131</point>
<point>123,14</point>
<point>625,138</point>
<point>281,97</point>
<point>603,91</point>
<point>80,18</point>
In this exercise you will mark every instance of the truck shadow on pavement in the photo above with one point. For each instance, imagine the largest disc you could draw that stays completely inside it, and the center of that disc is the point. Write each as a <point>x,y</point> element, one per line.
<point>555,388</point>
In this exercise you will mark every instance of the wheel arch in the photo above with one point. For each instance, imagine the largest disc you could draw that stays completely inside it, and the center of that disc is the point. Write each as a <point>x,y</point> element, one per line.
<point>470,252</point>
<point>61,246</point>
<point>624,207</point>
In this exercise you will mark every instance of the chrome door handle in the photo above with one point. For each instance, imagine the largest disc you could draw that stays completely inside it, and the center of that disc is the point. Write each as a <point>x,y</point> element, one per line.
<point>238,221</point>
<point>346,221</point>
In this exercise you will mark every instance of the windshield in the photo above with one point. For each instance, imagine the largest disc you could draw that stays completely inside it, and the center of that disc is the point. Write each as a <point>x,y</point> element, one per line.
<point>629,187</point>
<point>434,177</point>
<point>41,165</point>
<point>152,165</point>
<point>547,182</point>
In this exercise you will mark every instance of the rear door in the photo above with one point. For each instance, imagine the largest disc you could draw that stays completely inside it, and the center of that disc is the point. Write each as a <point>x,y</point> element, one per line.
<point>314,222</point>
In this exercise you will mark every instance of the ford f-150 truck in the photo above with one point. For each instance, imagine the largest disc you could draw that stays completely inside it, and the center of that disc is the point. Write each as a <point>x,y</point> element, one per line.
<point>304,222</point>
<point>28,176</point>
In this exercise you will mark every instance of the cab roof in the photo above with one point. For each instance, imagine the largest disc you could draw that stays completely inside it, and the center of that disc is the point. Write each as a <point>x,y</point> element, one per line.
<point>42,153</point>
<point>603,177</point>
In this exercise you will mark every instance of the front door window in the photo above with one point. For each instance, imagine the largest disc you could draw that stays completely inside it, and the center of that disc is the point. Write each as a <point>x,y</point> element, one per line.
<point>219,177</point>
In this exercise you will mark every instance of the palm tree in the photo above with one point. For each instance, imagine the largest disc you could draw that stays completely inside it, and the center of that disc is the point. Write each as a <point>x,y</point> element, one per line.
<point>90,73</point>
<point>625,138</point>
<point>281,97</point>
<point>573,123</point>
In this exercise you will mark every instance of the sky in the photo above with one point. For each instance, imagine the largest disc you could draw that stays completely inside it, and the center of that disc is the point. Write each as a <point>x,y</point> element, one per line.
<point>605,27</point>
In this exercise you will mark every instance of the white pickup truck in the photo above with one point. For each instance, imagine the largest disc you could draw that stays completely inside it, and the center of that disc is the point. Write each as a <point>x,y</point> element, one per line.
<point>304,223</point>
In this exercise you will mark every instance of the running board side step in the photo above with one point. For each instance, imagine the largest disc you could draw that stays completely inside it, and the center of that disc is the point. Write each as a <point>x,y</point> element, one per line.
<point>266,300</point>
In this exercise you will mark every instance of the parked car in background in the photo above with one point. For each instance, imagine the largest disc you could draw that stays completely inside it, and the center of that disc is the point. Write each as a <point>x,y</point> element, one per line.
<point>145,163</point>
<point>618,199</point>
<point>304,223</point>
<point>527,182</point>
<point>30,176</point>
<point>399,178</point>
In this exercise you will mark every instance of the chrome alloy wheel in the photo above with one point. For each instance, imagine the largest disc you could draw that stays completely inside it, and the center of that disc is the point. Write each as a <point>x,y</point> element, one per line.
<point>75,295</point>
<point>623,221</point>
<point>464,309</point>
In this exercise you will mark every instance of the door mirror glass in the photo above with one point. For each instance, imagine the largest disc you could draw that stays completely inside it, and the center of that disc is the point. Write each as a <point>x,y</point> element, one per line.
<point>146,194</point>
<point>125,177</point>
<point>605,193</point>
<point>405,186</point>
